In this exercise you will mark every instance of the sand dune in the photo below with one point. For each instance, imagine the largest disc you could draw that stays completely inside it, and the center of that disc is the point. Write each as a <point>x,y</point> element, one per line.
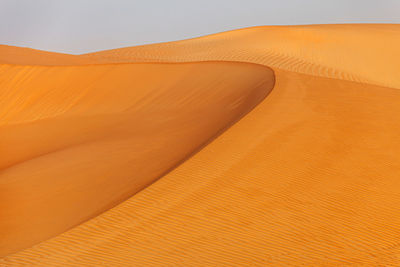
<point>79,140</point>
<point>362,53</point>
<point>307,178</point>
<point>27,56</point>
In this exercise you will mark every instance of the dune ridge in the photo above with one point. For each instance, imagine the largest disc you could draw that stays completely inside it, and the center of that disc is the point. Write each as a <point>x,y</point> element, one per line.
<point>369,51</point>
<point>308,177</point>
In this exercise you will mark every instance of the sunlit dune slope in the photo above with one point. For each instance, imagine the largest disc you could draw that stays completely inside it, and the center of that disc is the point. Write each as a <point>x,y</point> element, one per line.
<point>309,177</point>
<point>366,52</point>
<point>79,140</point>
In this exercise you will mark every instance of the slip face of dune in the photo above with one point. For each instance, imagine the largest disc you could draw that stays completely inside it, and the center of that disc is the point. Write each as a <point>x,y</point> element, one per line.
<point>79,140</point>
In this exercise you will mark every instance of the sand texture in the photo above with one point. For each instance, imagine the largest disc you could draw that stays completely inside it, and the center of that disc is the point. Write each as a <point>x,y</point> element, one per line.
<point>265,146</point>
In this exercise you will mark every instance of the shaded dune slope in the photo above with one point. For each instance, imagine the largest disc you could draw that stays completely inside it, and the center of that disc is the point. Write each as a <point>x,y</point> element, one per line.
<point>79,140</point>
<point>309,177</point>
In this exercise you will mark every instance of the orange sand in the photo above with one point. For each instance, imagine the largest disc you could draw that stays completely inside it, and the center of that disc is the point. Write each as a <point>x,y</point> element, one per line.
<point>79,140</point>
<point>27,56</point>
<point>309,177</point>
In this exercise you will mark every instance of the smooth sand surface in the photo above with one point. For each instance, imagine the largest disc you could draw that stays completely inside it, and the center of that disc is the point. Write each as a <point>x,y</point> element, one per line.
<point>27,56</point>
<point>310,177</point>
<point>79,140</point>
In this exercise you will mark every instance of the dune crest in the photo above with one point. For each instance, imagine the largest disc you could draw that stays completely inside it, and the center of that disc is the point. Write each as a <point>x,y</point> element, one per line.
<point>365,53</point>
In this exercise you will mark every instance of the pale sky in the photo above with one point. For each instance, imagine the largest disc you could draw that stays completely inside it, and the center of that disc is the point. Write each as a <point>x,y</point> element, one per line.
<point>79,26</point>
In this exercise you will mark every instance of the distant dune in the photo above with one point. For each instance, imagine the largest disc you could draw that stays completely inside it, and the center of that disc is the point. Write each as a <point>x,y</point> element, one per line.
<point>26,56</point>
<point>261,146</point>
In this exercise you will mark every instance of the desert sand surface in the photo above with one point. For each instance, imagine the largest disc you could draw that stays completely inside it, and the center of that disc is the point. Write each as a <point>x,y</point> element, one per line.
<point>307,176</point>
<point>78,139</point>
